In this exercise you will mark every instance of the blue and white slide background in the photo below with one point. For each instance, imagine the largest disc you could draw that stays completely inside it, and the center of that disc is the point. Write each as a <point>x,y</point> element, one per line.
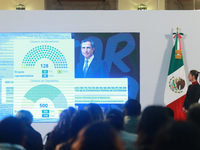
<point>37,74</point>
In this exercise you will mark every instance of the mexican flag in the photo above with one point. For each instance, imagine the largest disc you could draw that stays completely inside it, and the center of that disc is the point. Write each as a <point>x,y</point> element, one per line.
<point>176,86</point>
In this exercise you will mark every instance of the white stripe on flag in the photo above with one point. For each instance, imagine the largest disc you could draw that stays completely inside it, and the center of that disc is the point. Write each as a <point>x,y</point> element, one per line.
<point>170,95</point>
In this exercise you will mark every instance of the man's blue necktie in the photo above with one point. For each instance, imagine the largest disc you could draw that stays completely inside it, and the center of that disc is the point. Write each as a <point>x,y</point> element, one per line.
<point>86,68</point>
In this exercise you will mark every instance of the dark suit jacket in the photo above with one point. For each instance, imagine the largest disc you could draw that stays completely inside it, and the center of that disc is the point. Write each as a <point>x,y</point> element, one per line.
<point>192,95</point>
<point>97,69</point>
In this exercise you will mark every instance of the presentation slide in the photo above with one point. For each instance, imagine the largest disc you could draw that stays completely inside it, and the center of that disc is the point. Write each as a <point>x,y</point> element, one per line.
<point>46,73</point>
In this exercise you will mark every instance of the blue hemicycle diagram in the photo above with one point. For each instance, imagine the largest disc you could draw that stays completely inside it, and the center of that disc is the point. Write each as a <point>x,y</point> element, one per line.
<point>47,91</point>
<point>44,51</point>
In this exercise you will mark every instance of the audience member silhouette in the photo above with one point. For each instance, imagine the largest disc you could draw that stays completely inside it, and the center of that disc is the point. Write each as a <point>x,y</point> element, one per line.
<point>152,119</point>
<point>61,131</point>
<point>178,136</point>
<point>95,111</point>
<point>170,112</point>
<point>98,136</point>
<point>193,114</point>
<point>12,134</point>
<point>33,138</point>
<point>116,119</point>
<point>80,119</point>
<point>132,111</point>
<point>84,130</point>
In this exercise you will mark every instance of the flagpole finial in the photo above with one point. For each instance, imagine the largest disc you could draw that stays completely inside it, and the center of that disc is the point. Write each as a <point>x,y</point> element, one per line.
<point>177,29</point>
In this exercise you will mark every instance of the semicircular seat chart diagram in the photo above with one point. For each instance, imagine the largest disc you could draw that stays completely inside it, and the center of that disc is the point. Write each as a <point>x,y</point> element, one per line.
<point>44,91</point>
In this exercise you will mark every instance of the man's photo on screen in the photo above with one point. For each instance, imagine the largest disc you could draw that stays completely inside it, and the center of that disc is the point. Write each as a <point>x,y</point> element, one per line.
<point>90,67</point>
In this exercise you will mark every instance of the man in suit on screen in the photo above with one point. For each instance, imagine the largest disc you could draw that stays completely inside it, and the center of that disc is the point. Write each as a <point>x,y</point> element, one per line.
<point>91,67</point>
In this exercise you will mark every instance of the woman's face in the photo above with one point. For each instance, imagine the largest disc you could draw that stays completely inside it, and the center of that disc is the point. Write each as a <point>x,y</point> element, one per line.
<point>190,77</point>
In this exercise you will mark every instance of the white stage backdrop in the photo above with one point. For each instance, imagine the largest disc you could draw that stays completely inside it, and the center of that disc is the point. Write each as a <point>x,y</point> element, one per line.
<point>155,28</point>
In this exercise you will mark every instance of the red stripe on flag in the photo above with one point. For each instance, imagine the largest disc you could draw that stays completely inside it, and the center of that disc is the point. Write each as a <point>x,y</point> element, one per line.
<point>179,40</point>
<point>177,106</point>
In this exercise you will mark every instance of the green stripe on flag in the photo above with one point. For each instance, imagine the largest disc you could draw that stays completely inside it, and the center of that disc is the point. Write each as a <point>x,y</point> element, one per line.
<point>175,64</point>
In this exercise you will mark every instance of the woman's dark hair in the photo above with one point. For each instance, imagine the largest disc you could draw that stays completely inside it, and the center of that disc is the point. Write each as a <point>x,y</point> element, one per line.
<point>100,136</point>
<point>95,111</point>
<point>67,112</point>
<point>80,119</point>
<point>12,130</point>
<point>178,136</point>
<point>152,119</point>
<point>60,132</point>
<point>194,73</point>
